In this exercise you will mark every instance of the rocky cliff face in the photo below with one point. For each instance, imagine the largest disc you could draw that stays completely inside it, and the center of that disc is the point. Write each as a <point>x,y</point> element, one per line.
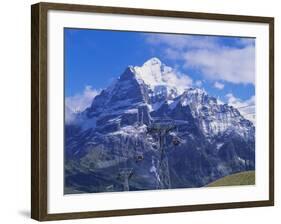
<point>213,139</point>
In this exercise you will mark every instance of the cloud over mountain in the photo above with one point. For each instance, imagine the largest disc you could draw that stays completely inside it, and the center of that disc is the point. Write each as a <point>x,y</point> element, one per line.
<point>246,107</point>
<point>80,101</point>
<point>210,56</point>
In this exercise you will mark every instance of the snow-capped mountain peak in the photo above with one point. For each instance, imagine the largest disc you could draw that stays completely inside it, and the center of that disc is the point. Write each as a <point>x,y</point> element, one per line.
<point>195,91</point>
<point>151,90</point>
<point>153,62</point>
<point>155,74</point>
<point>151,72</point>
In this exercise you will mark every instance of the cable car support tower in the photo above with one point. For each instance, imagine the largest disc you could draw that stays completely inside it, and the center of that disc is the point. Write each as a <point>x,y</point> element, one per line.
<point>161,129</point>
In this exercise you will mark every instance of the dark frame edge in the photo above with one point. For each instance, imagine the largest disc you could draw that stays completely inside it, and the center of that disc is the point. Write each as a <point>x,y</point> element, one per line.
<point>35,191</point>
<point>271,111</point>
<point>38,112</point>
<point>154,12</point>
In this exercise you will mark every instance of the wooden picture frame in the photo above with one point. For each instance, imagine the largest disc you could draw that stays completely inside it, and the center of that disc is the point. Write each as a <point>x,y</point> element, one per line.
<point>39,110</point>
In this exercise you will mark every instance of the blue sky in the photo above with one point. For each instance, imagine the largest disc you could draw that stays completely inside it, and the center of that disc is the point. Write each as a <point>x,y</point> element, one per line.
<point>223,66</point>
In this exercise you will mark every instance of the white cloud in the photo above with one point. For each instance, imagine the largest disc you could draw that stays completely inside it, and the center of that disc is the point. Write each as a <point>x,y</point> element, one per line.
<point>69,115</point>
<point>172,54</point>
<point>178,79</point>
<point>81,101</point>
<point>218,85</point>
<point>198,83</point>
<point>215,60</point>
<point>246,107</point>
<point>228,64</point>
<point>182,41</point>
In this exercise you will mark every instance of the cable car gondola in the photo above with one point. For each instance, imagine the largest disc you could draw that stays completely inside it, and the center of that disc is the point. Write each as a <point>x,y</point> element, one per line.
<point>176,140</point>
<point>139,158</point>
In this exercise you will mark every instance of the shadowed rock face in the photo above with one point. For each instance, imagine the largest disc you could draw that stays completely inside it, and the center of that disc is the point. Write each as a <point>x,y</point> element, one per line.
<point>112,134</point>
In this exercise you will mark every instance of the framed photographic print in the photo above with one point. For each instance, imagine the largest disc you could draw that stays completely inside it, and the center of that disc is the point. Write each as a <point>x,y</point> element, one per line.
<point>138,111</point>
